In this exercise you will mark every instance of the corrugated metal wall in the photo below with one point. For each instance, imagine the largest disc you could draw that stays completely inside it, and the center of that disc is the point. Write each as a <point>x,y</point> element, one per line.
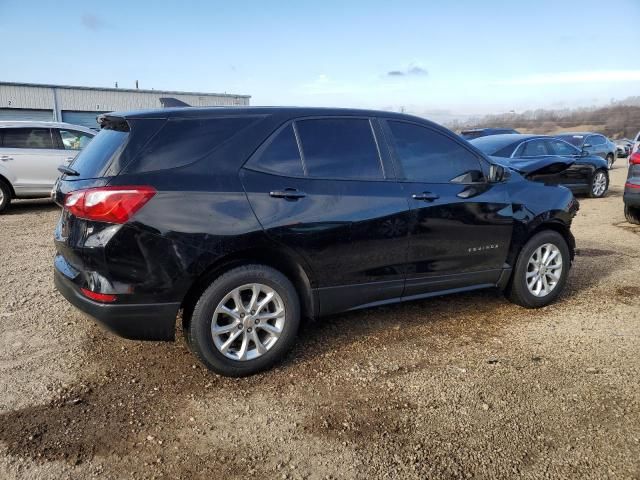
<point>26,114</point>
<point>87,119</point>
<point>103,100</point>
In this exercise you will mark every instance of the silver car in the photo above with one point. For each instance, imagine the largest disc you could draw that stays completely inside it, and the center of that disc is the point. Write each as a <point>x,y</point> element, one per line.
<point>30,154</point>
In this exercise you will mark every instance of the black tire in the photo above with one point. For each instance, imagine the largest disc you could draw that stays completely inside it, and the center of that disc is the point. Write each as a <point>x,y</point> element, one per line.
<point>632,214</point>
<point>517,290</point>
<point>199,328</point>
<point>610,159</point>
<point>593,181</point>
<point>5,196</point>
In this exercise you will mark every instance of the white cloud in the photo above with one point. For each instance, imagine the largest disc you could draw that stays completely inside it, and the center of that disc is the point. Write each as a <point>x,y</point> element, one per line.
<point>563,78</point>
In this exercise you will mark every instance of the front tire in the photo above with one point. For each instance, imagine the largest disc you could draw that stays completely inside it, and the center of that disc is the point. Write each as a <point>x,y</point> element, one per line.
<point>541,270</point>
<point>5,196</point>
<point>632,214</point>
<point>599,184</point>
<point>245,321</point>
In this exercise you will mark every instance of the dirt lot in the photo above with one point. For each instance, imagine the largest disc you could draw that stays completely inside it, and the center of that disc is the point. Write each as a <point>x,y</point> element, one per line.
<point>455,387</point>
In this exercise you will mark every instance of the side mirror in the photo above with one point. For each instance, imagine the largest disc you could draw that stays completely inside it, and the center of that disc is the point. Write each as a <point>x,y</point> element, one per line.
<point>497,173</point>
<point>584,152</point>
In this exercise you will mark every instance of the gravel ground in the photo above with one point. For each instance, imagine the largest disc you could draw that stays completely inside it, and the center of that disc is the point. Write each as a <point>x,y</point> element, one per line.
<point>465,386</point>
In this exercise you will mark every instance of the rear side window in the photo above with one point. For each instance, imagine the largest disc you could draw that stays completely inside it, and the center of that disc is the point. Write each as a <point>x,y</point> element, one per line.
<point>104,147</point>
<point>280,156</point>
<point>342,148</point>
<point>27,138</point>
<point>181,142</point>
<point>428,156</point>
<point>74,140</point>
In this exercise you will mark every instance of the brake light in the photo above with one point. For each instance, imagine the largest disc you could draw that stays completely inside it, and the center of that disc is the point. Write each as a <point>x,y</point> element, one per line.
<point>99,297</point>
<point>631,185</point>
<point>108,204</point>
<point>635,159</point>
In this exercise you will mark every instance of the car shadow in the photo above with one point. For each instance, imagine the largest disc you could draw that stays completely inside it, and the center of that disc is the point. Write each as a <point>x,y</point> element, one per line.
<point>20,207</point>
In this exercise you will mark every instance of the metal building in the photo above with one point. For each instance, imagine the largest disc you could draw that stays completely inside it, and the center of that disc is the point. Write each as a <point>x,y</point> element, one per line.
<point>81,105</point>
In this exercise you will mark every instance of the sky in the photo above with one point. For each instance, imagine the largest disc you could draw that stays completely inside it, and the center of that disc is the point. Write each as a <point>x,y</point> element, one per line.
<point>438,59</point>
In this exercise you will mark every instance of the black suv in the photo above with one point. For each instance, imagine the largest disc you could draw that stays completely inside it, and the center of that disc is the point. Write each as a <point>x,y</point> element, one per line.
<point>249,219</point>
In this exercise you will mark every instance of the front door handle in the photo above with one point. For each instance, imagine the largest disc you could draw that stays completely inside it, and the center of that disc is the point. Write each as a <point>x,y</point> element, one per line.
<point>425,196</point>
<point>6,158</point>
<point>288,193</point>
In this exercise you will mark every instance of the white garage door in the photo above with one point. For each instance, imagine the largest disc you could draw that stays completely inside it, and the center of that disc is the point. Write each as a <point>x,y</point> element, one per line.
<point>87,119</point>
<point>26,114</point>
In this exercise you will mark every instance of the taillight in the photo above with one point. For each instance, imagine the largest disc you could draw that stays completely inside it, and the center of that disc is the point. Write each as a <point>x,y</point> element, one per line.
<point>635,159</point>
<point>100,297</point>
<point>108,204</point>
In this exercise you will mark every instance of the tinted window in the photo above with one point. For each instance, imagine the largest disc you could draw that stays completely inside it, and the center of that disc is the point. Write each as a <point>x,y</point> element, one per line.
<point>27,138</point>
<point>534,148</point>
<point>280,156</point>
<point>426,155</point>
<point>339,148</point>
<point>575,140</point>
<point>498,145</point>
<point>181,142</point>
<point>563,148</point>
<point>104,147</point>
<point>74,140</point>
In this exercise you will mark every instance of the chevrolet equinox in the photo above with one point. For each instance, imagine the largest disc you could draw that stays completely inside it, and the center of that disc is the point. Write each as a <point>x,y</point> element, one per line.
<point>249,219</point>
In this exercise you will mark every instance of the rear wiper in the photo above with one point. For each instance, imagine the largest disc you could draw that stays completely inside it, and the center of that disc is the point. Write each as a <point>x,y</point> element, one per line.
<point>68,171</point>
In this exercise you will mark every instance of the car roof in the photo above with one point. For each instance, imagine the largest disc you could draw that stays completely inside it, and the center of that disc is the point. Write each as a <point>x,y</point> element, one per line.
<point>494,143</point>
<point>36,124</point>
<point>584,134</point>
<point>199,112</point>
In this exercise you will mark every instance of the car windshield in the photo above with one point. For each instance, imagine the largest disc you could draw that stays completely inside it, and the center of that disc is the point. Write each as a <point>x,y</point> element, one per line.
<point>493,144</point>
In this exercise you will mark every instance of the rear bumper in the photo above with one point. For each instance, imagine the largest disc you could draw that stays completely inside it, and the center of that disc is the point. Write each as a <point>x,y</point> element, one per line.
<point>154,321</point>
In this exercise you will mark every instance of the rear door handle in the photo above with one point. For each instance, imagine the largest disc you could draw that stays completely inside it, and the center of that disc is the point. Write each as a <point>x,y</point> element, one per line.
<point>425,196</point>
<point>288,193</point>
<point>6,158</point>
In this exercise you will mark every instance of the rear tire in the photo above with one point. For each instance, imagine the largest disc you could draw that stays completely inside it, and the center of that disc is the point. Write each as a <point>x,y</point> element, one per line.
<point>525,271</point>
<point>632,214</point>
<point>599,184</point>
<point>5,196</point>
<point>245,321</point>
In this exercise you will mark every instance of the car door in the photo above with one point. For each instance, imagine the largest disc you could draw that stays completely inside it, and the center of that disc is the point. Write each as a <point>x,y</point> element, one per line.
<point>578,175</point>
<point>461,224</point>
<point>594,145</point>
<point>32,157</point>
<point>322,188</point>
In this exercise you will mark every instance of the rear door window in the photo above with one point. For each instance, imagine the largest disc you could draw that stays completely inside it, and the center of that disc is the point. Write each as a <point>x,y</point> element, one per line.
<point>281,155</point>
<point>339,148</point>
<point>38,138</point>
<point>563,148</point>
<point>426,155</point>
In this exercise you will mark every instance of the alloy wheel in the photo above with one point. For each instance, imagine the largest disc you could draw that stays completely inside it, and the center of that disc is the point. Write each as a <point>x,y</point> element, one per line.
<point>544,270</point>
<point>599,184</point>
<point>248,322</point>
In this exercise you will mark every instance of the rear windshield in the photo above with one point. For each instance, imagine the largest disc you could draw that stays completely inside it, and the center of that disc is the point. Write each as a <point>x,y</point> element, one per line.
<point>471,134</point>
<point>575,140</point>
<point>493,144</point>
<point>100,152</point>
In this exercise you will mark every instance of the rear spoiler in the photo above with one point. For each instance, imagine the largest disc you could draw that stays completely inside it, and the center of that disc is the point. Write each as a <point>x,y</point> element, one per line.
<point>540,166</point>
<point>113,122</point>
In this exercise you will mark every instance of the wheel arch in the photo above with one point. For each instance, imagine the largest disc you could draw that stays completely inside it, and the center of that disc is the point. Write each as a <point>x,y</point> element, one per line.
<point>275,258</point>
<point>5,180</point>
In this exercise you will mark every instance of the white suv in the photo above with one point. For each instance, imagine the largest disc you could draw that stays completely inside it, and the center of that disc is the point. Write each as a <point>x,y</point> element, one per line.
<point>30,154</point>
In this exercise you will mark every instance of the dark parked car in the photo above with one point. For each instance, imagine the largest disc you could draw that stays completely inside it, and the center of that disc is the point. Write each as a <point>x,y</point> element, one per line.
<point>592,144</point>
<point>632,190</point>
<point>249,219</point>
<point>483,132</point>
<point>564,164</point>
